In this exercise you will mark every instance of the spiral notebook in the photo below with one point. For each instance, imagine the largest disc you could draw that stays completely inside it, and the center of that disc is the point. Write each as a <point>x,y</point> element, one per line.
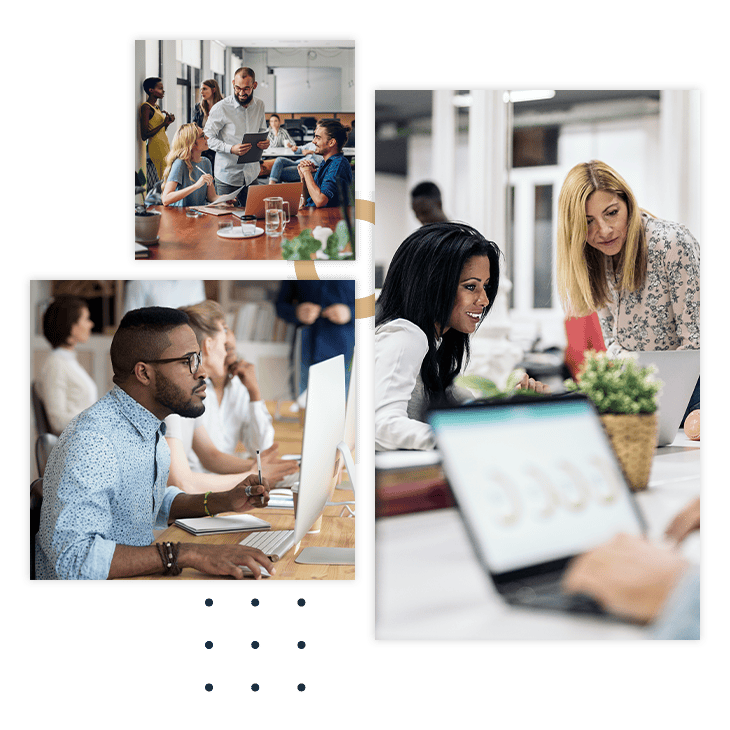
<point>220,524</point>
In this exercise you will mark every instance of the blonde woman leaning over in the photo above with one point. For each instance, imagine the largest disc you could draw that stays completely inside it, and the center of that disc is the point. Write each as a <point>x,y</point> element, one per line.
<point>641,274</point>
<point>188,178</point>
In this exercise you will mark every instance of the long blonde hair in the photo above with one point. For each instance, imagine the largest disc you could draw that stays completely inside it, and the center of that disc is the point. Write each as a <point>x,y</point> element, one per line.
<point>205,106</point>
<point>581,270</point>
<point>182,148</point>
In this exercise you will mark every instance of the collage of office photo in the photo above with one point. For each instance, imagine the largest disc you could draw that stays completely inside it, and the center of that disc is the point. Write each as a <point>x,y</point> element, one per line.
<point>537,364</point>
<point>244,149</point>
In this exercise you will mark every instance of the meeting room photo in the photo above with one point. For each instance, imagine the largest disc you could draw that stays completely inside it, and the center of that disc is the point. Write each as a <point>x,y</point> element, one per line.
<point>537,364</point>
<point>190,429</point>
<point>244,149</point>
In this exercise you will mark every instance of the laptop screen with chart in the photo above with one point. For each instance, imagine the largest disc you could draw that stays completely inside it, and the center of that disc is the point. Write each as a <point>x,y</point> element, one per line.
<point>535,480</point>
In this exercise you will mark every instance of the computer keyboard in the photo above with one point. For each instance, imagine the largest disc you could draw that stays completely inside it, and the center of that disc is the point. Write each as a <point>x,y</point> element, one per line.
<point>269,542</point>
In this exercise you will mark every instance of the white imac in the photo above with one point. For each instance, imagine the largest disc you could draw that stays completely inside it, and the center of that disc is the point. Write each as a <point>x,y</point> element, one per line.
<point>350,436</point>
<point>323,449</point>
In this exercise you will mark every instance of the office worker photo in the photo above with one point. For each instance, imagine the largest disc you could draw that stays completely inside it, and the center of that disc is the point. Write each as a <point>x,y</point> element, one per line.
<point>64,386</point>
<point>640,273</point>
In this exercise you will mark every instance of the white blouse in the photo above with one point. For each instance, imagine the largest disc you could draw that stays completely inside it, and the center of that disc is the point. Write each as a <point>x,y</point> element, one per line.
<point>65,388</point>
<point>235,419</point>
<point>400,347</point>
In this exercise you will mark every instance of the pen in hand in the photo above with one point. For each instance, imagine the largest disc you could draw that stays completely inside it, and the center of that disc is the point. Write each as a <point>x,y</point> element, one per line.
<point>258,463</point>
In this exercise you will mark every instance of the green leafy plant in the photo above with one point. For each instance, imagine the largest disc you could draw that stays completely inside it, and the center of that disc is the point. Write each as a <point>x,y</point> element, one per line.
<point>616,386</point>
<point>322,242</point>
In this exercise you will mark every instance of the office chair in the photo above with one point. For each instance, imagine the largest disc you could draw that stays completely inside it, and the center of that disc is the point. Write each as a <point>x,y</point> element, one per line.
<point>42,424</point>
<point>43,447</point>
<point>36,501</point>
<point>309,123</point>
<point>296,133</point>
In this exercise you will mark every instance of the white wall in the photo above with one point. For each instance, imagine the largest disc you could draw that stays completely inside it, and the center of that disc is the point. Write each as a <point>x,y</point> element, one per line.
<point>395,219</point>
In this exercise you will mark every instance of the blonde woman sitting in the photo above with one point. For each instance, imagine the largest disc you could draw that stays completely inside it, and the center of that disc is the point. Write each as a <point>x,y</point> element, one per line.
<point>188,177</point>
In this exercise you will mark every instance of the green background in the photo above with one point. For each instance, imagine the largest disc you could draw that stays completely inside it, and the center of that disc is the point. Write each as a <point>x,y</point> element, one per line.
<point>124,657</point>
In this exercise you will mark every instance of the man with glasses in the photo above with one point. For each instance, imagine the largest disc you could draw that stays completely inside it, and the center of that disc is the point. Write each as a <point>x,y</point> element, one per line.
<point>105,484</point>
<point>229,119</point>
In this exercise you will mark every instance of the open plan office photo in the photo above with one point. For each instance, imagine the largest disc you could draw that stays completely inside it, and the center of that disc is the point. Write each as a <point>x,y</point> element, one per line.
<point>537,364</point>
<point>193,429</point>
<point>244,149</point>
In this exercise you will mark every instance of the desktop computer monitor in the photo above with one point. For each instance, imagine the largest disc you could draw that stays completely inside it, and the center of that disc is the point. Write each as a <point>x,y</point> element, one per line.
<point>322,452</point>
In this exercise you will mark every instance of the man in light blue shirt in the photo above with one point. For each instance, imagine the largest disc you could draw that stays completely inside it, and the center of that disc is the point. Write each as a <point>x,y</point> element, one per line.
<point>105,484</point>
<point>229,119</point>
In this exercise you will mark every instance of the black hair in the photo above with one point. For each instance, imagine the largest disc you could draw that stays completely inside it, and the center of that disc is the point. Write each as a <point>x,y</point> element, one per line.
<point>335,130</point>
<point>421,286</point>
<point>62,314</point>
<point>150,83</point>
<point>142,336</point>
<point>426,190</point>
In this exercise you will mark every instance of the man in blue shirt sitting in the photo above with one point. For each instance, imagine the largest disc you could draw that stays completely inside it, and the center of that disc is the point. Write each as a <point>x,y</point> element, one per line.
<point>324,182</point>
<point>105,484</point>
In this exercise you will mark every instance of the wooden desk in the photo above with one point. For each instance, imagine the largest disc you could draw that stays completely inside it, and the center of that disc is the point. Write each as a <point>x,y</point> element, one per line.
<point>336,532</point>
<point>182,237</point>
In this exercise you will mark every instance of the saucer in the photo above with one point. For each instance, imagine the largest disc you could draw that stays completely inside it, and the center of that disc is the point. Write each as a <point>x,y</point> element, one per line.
<point>236,232</point>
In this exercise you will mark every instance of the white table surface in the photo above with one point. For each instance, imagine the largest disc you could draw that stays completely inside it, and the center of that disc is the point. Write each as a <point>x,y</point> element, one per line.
<point>429,584</point>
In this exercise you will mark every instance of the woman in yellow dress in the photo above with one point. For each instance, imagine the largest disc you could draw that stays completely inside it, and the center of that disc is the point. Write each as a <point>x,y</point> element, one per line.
<point>154,123</point>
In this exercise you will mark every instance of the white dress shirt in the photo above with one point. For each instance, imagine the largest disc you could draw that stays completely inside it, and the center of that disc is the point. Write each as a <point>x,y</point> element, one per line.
<point>227,122</point>
<point>400,347</point>
<point>65,388</point>
<point>235,419</point>
<point>174,294</point>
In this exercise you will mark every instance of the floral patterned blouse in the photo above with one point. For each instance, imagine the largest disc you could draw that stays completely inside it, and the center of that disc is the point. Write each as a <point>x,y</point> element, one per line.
<point>665,313</point>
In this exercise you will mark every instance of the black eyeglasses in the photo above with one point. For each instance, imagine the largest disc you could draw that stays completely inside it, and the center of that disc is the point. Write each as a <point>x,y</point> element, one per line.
<point>190,358</point>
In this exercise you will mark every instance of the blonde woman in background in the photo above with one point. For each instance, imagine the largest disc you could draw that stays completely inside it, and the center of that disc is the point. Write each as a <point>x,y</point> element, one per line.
<point>640,273</point>
<point>187,436</point>
<point>188,177</point>
<point>65,387</point>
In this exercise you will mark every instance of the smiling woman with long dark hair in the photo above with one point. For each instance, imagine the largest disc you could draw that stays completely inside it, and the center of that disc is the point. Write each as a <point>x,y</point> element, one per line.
<point>440,285</point>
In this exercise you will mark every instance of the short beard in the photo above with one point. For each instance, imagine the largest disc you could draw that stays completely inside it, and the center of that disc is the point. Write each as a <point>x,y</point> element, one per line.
<point>172,397</point>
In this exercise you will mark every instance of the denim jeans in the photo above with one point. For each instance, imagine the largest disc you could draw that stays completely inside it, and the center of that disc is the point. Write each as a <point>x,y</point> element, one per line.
<point>284,170</point>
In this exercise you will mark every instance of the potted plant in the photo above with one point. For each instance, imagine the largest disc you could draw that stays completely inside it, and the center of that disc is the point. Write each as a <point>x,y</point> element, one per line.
<point>625,395</point>
<point>146,222</point>
<point>322,243</point>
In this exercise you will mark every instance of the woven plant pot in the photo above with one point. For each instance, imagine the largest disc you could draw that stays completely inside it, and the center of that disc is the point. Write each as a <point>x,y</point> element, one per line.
<point>634,438</point>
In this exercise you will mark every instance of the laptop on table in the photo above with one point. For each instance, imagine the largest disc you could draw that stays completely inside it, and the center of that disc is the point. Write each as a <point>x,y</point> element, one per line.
<point>678,370</point>
<point>289,192</point>
<point>537,483</point>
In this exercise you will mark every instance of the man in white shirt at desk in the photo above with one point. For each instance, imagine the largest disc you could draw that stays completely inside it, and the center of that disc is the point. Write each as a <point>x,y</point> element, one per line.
<point>229,119</point>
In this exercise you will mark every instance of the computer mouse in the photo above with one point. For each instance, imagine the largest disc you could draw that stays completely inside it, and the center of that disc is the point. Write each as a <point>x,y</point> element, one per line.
<point>247,571</point>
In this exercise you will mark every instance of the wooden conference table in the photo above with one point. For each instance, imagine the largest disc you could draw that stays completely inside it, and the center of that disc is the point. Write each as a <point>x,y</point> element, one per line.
<point>336,531</point>
<point>182,237</point>
<point>417,550</point>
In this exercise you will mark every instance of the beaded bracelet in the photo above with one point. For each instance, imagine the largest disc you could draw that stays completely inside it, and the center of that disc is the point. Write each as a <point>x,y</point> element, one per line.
<point>168,553</point>
<point>205,504</point>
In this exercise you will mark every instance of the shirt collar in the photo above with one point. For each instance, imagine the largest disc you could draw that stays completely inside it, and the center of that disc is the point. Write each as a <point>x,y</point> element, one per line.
<point>143,420</point>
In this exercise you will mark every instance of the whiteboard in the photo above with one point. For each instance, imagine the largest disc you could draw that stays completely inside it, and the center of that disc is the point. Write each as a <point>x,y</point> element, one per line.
<point>322,95</point>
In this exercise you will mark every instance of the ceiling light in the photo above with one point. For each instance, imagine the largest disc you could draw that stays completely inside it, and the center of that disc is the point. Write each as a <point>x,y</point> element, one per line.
<point>528,95</point>
<point>462,100</point>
